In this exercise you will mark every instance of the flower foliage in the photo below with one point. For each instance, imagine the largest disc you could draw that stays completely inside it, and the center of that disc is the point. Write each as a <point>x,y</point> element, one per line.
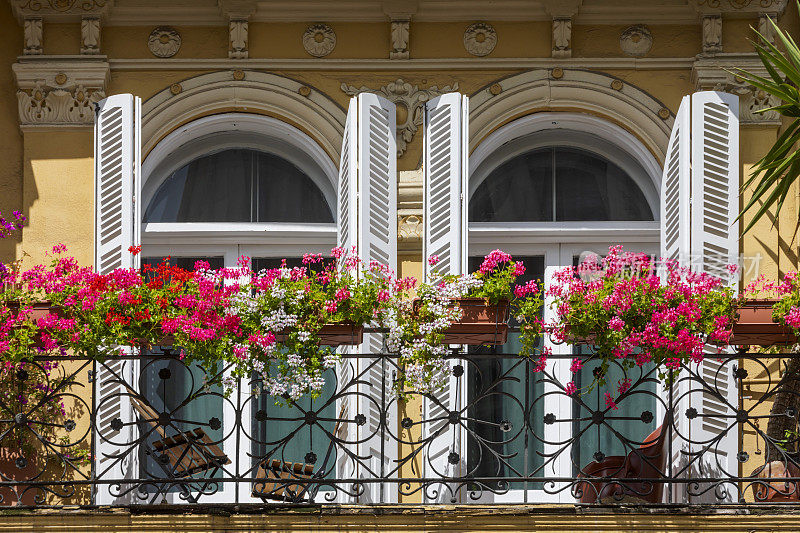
<point>632,312</point>
<point>417,334</point>
<point>786,309</point>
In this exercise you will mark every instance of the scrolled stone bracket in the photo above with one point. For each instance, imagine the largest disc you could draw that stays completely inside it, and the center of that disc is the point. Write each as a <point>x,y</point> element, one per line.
<point>55,93</point>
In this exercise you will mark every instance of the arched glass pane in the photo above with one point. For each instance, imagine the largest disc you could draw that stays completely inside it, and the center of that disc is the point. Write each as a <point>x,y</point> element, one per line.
<point>587,187</point>
<point>519,190</point>
<point>239,185</point>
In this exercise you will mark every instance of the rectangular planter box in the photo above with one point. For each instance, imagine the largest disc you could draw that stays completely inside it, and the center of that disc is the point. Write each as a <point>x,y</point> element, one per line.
<point>754,326</point>
<point>480,323</point>
<point>334,335</point>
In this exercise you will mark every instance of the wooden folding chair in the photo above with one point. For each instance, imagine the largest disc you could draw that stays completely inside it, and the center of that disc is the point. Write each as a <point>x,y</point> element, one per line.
<point>277,476</point>
<point>181,455</point>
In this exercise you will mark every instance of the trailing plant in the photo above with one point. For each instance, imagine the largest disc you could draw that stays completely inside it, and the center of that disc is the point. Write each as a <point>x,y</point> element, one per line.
<point>632,312</point>
<point>295,304</point>
<point>417,331</point>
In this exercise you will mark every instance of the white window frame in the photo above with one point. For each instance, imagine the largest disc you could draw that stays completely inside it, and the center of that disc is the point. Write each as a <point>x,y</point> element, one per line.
<point>558,242</point>
<point>232,240</point>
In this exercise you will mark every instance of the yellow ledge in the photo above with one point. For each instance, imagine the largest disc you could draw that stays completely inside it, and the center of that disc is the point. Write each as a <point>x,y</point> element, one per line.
<point>404,518</point>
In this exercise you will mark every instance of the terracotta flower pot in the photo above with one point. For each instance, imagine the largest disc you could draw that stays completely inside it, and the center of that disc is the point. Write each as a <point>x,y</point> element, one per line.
<point>777,490</point>
<point>38,310</point>
<point>754,326</point>
<point>481,323</point>
<point>342,334</point>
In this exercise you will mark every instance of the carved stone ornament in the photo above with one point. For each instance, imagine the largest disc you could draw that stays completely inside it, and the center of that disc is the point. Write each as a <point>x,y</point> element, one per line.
<point>743,5</point>
<point>752,100</point>
<point>636,41</point>
<point>409,228</point>
<point>319,40</point>
<point>59,8</point>
<point>33,36</point>
<point>90,35</point>
<point>164,41</point>
<point>238,39</point>
<point>562,37</point>
<point>712,34</point>
<point>400,33</point>
<point>480,39</point>
<point>44,105</point>
<point>410,101</point>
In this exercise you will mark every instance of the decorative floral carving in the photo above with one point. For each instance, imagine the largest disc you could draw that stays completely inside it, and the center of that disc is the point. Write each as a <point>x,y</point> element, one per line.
<point>45,105</point>
<point>409,228</point>
<point>480,39</point>
<point>90,35</point>
<point>742,4</point>
<point>410,101</point>
<point>636,40</point>
<point>752,100</point>
<point>562,37</point>
<point>60,6</point>
<point>238,39</point>
<point>33,36</point>
<point>319,40</point>
<point>164,41</point>
<point>400,33</point>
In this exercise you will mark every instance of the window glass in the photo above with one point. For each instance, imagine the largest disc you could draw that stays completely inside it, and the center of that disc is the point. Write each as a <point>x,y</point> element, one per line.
<point>555,185</point>
<point>239,185</point>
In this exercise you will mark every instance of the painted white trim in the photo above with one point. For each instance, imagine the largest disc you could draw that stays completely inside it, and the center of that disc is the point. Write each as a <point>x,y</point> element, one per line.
<point>528,234</point>
<point>214,133</point>
<point>569,129</point>
<point>270,234</point>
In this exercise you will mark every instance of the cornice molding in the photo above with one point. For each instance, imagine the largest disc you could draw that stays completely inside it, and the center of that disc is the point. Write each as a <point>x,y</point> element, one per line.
<point>460,63</point>
<point>59,93</point>
<point>220,12</point>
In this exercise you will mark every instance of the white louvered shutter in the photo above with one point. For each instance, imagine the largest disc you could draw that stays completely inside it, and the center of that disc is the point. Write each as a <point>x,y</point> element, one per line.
<point>445,234</point>
<point>675,245</point>
<point>714,245</point>
<point>368,220</point>
<point>117,155</point>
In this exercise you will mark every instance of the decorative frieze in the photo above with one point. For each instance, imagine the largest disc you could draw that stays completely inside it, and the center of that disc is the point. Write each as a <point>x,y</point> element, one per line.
<point>59,10</point>
<point>410,101</point>
<point>480,39</point>
<point>164,41</point>
<point>739,6</point>
<point>765,27</point>
<point>400,34</point>
<point>238,39</point>
<point>712,34</point>
<point>636,41</point>
<point>90,35</point>
<point>59,93</point>
<point>33,36</point>
<point>562,37</point>
<point>319,40</point>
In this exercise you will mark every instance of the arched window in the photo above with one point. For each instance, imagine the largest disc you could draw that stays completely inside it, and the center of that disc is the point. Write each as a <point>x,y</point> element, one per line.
<point>547,188</point>
<point>215,189</point>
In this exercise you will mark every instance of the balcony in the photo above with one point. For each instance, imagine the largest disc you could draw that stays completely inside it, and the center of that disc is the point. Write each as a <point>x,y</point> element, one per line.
<point>145,430</point>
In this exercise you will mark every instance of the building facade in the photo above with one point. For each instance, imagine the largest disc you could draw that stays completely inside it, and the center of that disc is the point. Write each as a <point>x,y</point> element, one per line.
<point>242,124</point>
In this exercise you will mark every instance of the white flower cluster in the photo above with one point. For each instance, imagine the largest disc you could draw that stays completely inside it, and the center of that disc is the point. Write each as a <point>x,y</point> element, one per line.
<point>279,320</point>
<point>294,383</point>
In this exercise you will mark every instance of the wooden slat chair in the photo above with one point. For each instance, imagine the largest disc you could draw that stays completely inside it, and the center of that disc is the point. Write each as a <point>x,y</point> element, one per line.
<point>277,476</point>
<point>181,455</point>
<point>646,462</point>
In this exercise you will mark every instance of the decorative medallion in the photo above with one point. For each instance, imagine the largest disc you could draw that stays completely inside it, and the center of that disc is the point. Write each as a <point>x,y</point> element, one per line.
<point>480,39</point>
<point>175,88</point>
<point>319,40</point>
<point>305,90</point>
<point>557,73</point>
<point>616,85</point>
<point>496,89</point>
<point>410,101</point>
<point>238,75</point>
<point>663,113</point>
<point>636,41</point>
<point>60,78</point>
<point>164,41</point>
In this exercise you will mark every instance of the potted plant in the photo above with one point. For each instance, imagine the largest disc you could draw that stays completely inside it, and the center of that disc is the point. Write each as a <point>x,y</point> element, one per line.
<point>291,318</point>
<point>629,311</point>
<point>471,309</point>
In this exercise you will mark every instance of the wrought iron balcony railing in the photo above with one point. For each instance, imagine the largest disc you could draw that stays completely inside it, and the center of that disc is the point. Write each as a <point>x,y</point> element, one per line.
<point>150,429</point>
